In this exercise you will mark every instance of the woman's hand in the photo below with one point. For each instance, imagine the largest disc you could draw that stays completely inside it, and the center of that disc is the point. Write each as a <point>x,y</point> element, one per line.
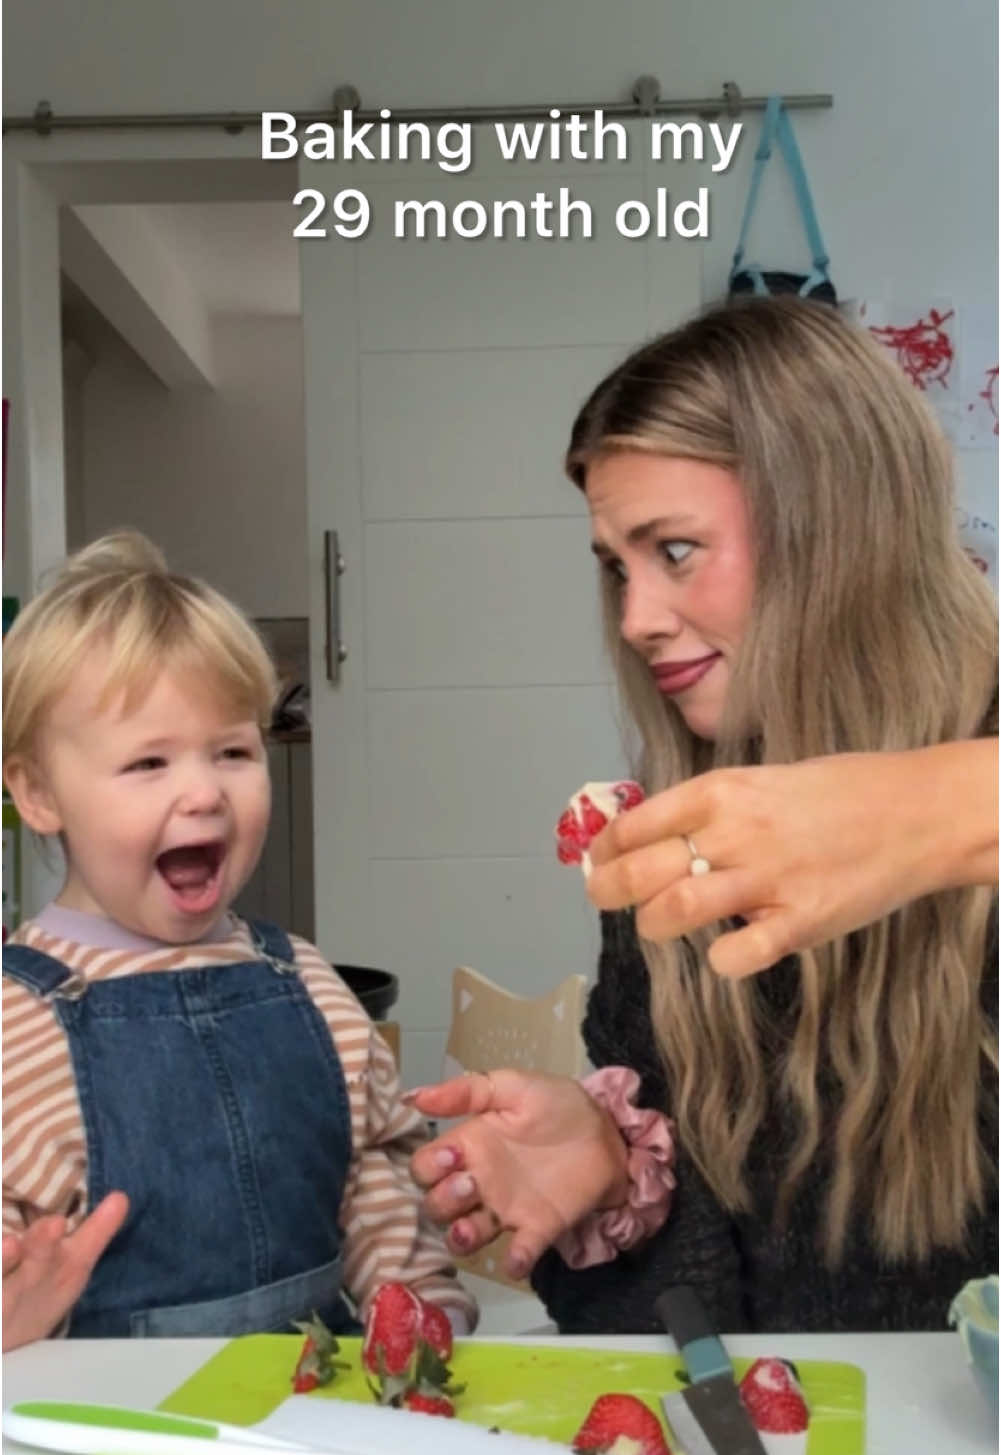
<point>45,1270</point>
<point>803,852</point>
<point>536,1156</point>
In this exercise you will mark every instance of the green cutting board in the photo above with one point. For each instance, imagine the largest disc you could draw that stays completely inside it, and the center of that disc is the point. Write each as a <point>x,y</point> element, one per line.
<point>532,1389</point>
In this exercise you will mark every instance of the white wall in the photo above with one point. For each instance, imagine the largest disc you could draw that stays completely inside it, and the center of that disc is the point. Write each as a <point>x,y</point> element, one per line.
<point>904,168</point>
<point>215,477</point>
<point>77,364</point>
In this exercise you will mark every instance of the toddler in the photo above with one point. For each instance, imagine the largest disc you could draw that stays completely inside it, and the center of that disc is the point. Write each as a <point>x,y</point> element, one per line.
<point>203,1133</point>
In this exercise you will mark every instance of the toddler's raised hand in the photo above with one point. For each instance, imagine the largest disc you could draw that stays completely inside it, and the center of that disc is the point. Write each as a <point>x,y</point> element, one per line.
<point>536,1156</point>
<point>45,1269</point>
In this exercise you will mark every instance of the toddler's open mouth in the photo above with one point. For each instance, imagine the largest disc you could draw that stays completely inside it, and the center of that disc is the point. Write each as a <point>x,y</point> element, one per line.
<point>191,874</point>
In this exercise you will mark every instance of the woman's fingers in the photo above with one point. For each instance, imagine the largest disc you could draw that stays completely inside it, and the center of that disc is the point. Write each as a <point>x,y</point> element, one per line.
<point>436,1160</point>
<point>526,1248</point>
<point>451,1197</point>
<point>671,813</point>
<point>480,1227</point>
<point>755,946</point>
<point>472,1232</point>
<point>638,874</point>
<point>803,852</point>
<point>696,900</point>
<point>11,1253</point>
<point>463,1096</point>
<point>672,901</point>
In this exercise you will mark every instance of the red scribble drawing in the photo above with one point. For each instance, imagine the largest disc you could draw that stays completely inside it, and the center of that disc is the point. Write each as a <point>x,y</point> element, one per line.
<point>989,393</point>
<point>924,349</point>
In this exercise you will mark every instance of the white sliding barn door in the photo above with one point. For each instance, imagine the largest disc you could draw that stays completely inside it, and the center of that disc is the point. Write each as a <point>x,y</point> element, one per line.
<point>441,381</point>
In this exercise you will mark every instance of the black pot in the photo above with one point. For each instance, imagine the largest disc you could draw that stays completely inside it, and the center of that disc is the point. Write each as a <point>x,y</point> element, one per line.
<point>377,990</point>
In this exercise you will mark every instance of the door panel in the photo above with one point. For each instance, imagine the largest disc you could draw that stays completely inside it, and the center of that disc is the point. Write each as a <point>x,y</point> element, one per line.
<point>482,771</point>
<point>592,288</point>
<point>472,604</point>
<point>441,381</point>
<point>501,460</point>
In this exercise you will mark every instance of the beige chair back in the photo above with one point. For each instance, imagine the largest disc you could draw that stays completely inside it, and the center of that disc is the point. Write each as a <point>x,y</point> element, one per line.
<point>490,1029</point>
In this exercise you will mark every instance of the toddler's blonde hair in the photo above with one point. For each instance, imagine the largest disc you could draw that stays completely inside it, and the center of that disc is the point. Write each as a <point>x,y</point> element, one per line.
<point>118,594</point>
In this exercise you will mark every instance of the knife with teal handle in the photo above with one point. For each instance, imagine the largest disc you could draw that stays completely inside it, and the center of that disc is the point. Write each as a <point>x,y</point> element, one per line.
<point>708,1417</point>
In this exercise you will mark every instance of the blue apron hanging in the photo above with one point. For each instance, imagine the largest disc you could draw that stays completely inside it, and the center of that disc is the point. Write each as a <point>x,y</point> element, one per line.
<point>752,278</point>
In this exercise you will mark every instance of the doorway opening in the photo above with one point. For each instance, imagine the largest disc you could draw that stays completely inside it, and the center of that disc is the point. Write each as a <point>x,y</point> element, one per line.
<point>183,418</point>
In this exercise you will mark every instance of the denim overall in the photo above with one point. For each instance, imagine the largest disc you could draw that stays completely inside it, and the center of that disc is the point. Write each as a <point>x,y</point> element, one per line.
<point>215,1099</point>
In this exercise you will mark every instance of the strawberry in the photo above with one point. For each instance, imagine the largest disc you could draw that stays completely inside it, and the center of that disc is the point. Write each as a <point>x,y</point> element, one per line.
<point>591,817</point>
<point>568,827</point>
<point>435,1329</point>
<point>316,1364</point>
<point>622,1424</point>
<point>628,794</point>
<point>569,838</point>
<point>429,1404</point>
<point>406,1347</point>
<point>432,1375</point>
<point>390,1346</point>
<point>773,1397</point>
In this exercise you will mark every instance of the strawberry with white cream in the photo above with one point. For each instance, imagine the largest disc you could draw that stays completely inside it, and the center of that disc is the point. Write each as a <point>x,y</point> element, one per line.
<point>774,1400</point>
<point>588,812</point>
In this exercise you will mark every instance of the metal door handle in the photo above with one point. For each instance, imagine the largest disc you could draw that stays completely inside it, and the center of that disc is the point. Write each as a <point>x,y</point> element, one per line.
<point>333,570</point>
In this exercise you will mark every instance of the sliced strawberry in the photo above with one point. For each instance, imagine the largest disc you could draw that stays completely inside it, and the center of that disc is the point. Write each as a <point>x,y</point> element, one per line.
<point>390,1346</point>
<point>435,1330</point>
<point>429,1404</point>
<point>432,1375</point>
<point>568,826</point>
<point>628,794</point>
<point>316,1364</point>
<point>623,1424</point>
<point>391,1329</point>
<point>406,1347</point>
<point>588,813</point>
<point>304,1382</point>
<point>773,1398</point>
<point>591,817</point>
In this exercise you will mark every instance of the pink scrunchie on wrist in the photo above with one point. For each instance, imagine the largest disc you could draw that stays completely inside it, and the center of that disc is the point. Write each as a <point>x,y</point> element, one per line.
<point>602,1235</point>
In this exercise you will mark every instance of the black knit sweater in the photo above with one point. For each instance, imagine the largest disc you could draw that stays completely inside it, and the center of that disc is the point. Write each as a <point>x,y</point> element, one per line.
<point>751,1276</point>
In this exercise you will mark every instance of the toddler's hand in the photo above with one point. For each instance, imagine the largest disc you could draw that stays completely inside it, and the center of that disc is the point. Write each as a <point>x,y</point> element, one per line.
<point>537,1155</point>
<point>45,1270</point>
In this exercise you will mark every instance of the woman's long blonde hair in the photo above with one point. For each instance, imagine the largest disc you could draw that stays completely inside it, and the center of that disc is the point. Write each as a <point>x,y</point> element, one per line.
<point>870,629</point>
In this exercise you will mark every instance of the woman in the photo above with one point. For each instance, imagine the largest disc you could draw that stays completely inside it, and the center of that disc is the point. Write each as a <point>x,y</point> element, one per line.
<point>811,661</point>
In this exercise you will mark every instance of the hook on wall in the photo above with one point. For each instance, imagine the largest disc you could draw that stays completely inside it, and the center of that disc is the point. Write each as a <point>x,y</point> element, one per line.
<point>346,98</point>
<point>646,94</point>
<point>43,118</point>
<point>733,103</point>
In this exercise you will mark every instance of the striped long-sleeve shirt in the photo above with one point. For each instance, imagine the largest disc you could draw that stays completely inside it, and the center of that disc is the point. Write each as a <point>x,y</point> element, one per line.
<point>44,1144</point>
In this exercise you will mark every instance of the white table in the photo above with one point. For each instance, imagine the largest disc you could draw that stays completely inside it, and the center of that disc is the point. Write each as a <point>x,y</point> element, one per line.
<point>921,1396</point>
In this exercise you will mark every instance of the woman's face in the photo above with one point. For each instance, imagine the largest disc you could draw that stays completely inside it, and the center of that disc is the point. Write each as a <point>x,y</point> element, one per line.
<point>676,535</point>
